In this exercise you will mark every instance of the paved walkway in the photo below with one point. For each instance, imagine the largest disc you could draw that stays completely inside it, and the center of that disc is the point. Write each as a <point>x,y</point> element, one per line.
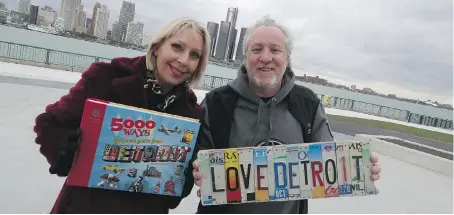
<point>29,188</point>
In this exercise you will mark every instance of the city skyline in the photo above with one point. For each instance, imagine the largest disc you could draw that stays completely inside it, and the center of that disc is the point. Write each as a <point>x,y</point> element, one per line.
<point>394,47</point>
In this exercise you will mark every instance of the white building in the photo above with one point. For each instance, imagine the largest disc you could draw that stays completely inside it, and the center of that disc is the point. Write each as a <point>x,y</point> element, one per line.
<point>82,17</point>
<point>24,6</point>
<point>59,24</point>
<point>70,13</point>
<point>102,21</point>
<point>134,33</point>
<point>46,16</point>
<point>127,13</point>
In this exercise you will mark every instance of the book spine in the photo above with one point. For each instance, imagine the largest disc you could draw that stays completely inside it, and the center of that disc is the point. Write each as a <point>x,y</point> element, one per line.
<point>91,124</point>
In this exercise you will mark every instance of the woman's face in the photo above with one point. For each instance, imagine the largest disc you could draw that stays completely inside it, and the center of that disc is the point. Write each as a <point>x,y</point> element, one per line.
<point>178,57</point>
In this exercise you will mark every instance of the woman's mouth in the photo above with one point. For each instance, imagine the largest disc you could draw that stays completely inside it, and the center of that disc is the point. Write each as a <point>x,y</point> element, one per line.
<point>175,71</point>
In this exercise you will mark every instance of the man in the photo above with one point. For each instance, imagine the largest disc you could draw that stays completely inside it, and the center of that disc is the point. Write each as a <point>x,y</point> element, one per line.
<point>263,106</point>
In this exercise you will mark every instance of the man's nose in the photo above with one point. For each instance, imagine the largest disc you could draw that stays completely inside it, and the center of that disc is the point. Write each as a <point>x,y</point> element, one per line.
<point>266,56</point>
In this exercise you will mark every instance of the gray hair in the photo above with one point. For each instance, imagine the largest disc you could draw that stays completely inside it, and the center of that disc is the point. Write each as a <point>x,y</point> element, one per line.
<point>267,21</point>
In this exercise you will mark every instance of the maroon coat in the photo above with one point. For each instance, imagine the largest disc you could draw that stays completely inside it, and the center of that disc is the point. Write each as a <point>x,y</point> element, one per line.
<point>122,80</point>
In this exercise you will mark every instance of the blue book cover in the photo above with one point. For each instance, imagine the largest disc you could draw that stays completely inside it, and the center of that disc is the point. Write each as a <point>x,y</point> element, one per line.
<point>134,150</point>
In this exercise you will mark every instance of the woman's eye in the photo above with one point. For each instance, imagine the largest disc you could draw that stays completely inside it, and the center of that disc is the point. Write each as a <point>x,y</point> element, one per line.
<point>177,47</point>
<point>195,55</point>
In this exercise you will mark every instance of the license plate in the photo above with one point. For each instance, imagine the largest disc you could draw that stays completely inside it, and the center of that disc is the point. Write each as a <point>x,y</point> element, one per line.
<point>204,162</point>
<point>233,188</point>
<point>247,179</point>
<point>315,155</point>
<point>329,161</point>
<point>293,173</point>
<point>305,170</point>
<point>271,180</point>
<point>280,172</point>
<point>261,174</point>
<point>343,169</point>
<point>356,167</point>
<point>367,164</point>
<point>218,178</point>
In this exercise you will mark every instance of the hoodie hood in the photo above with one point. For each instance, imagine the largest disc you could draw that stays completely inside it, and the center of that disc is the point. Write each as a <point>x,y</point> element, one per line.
<point>260,125</point>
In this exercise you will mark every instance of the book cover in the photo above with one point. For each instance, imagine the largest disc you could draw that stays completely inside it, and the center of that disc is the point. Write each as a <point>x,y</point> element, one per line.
<point>131,149</point>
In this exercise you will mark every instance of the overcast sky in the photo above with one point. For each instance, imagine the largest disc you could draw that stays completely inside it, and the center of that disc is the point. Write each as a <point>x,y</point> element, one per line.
<point>403,47</point>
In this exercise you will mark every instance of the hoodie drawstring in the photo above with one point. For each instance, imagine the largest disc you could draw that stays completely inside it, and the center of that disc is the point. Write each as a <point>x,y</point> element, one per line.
<point>270,121</point>
<point>257,124</point>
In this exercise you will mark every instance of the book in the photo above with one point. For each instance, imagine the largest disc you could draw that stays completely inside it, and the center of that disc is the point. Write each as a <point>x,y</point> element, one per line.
<point>286,172</point>
<point>130,149</point>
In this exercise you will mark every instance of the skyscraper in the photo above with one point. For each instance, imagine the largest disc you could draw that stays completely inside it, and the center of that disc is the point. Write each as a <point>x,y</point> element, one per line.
<point>232,15</point>
<point>70,13</point>
<point>102,21</point>
<point>93,19</point>
<point>33,17</point>
<point>239,50</point>
<point>221,45</point>
<point>127,13</point>
<point>134,33</point>
<point>116,32</point>
<point>212,28</point>
<point>24,6</point>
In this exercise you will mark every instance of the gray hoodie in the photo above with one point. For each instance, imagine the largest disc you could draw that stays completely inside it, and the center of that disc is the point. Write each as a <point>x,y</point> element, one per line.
<point>257,123</point>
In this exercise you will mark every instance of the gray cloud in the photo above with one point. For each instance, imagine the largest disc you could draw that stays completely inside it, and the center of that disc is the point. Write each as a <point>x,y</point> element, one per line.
<point>403,47</point>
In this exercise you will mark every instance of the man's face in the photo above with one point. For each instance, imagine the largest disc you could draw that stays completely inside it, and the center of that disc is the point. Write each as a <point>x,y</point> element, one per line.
<point>266,58</point>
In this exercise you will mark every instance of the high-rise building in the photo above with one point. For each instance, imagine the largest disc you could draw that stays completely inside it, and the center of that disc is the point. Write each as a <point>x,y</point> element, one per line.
<point>24,6</point>
<point>70,13</point>
<point>102,21</point>
<point>232,15</point>
<point>127,13</point>
<point>232,45</point>
<point>82,17</point>
<point>59,24</point>
<point>221,45</point>
<point>2,6</point>
<point>116,32</point>
<point>134,33</point>
<point>47,16</point>
<point>88,24</point>
<point>213,29</point>
<point>33,17</point>
<point>239,57</point>
<point>93,19</point>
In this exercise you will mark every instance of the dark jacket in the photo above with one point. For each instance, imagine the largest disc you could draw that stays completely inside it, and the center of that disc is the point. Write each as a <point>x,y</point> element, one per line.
<point>122,81</point>
<point>235,117</point>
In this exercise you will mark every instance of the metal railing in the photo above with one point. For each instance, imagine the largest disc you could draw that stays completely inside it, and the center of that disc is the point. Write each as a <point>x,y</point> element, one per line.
<point>79,62</point>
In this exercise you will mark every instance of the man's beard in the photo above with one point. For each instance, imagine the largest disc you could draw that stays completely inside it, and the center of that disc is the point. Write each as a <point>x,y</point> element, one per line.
<point>265,84</point>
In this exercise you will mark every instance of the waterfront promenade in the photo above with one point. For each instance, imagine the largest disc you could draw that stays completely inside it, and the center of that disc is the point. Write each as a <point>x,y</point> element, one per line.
<point>404,187</point>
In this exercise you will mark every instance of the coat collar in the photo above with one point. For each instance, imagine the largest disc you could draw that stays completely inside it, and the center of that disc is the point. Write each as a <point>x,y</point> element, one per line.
<point>129,87</point>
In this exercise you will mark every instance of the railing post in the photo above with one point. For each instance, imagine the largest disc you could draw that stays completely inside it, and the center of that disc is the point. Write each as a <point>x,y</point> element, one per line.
<point>47,57</point>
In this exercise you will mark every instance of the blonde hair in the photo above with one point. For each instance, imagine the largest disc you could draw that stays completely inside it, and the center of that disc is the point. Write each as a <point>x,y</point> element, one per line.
<point>171,30</point>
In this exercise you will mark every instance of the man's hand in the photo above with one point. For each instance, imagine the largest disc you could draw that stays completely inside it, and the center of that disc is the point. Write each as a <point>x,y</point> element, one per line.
<point>197,175</point>
<point>375,169</point>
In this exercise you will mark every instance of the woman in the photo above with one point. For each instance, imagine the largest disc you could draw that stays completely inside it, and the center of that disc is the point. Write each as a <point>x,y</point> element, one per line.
<point>159,81</point>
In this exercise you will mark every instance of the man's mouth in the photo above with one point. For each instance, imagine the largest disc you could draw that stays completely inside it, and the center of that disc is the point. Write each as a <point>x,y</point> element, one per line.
<point>266,69</point>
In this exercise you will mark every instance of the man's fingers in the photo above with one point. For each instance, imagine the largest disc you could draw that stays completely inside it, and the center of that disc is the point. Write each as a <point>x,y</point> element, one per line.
<point>375,169</point>
<point>374,157</point>
<point>195,164</point>
<point>375,177</point>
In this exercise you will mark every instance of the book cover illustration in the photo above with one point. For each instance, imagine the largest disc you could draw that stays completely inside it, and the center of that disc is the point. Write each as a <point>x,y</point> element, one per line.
<point>134,150</point>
